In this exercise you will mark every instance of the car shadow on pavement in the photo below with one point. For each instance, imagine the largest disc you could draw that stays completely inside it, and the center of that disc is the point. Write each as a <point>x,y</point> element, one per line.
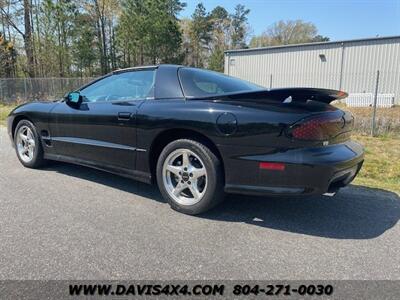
<point>356,212</point>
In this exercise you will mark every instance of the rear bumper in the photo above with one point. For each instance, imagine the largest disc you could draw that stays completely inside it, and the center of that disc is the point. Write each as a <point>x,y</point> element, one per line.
<point>307,171</point>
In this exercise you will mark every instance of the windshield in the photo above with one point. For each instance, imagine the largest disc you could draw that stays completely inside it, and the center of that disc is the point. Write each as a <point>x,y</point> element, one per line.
<point>202,83</point>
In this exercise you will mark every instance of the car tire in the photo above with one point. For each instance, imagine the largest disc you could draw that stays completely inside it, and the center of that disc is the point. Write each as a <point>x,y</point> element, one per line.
<point>28,145</point>
<point>199,192</point>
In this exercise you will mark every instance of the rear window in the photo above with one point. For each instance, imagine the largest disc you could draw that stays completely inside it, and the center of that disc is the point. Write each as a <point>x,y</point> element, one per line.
<point>202,83</point>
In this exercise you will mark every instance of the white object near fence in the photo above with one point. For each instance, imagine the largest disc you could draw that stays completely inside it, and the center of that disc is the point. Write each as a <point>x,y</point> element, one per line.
<point>367,100</point>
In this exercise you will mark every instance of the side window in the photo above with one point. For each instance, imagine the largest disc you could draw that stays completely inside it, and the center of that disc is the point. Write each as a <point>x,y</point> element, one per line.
<point>202,83</point>
<point>130,85</point>
<point>209,87</point>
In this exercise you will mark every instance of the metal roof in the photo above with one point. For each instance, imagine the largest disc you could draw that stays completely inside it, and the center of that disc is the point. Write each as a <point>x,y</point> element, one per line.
<point>313,44</point>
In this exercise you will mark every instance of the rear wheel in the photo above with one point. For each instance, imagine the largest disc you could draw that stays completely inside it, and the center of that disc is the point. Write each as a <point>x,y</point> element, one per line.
<point>27,145</point>
<point>190,176</point>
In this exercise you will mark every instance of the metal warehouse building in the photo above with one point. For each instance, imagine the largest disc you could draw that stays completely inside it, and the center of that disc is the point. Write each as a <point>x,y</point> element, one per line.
<point>345,65</point>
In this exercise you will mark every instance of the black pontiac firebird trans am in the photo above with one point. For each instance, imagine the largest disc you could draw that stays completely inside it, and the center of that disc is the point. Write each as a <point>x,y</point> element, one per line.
<point>196,133</point>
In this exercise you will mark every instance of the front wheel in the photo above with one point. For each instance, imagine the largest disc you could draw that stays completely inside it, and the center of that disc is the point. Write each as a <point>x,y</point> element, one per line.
<point>27,144</point>
<point>189,176</point>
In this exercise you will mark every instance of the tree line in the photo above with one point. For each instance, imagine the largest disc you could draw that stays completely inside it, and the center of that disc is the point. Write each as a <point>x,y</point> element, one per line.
<point>70,38</point>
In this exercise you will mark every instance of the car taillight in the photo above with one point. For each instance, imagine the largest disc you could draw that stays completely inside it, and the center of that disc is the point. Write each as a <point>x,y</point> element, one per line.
<point>318,128</point>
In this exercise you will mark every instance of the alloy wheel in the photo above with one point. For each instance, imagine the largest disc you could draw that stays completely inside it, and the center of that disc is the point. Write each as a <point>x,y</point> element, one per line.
<point>25,142</point>
<point>185,176</point>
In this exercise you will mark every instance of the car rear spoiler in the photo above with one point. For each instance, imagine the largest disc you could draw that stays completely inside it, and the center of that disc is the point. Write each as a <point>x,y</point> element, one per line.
<point>286,95</point>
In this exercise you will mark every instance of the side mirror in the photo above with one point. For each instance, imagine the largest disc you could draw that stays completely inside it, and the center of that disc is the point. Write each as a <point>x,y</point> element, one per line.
<point>74,99</point>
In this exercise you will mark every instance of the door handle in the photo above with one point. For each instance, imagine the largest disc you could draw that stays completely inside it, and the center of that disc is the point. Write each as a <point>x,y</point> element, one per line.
<point>124,116</point>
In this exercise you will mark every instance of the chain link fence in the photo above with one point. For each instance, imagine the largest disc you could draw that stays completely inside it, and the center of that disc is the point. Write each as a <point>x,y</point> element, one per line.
<point>20,90</point>
<point>363,88</point>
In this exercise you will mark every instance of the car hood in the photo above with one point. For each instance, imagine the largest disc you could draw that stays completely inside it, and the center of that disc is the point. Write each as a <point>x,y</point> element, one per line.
<point>36,106</point>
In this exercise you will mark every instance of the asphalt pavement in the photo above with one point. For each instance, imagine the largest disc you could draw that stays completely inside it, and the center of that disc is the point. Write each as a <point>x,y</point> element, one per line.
<point>72,222</point>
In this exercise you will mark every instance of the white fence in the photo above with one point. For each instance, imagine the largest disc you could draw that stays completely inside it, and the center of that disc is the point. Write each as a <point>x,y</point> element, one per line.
<point>367,100</point>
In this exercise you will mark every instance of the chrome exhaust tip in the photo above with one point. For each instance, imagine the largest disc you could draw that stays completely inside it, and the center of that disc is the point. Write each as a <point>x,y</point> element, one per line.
<point>329,194</point>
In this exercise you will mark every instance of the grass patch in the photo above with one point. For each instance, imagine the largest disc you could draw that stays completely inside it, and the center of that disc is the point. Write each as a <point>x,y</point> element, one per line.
<point>366,112</point>
<point>4,111</point>
<point>381,167</point>
<point>387,119</point>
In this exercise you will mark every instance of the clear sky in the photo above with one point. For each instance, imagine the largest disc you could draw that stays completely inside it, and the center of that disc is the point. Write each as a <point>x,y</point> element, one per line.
<point>337,19</point>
